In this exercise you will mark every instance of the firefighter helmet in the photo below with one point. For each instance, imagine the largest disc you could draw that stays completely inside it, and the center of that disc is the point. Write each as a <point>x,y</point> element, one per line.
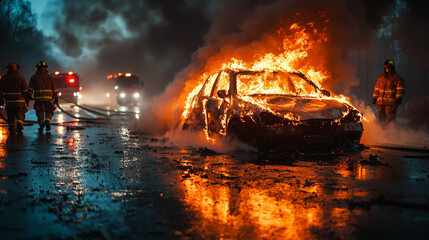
<point>389,63</point>
<point>12,67</point>
<point>41,64</point>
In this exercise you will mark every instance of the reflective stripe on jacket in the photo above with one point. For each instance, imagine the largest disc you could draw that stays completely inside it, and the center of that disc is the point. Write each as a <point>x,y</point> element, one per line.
<point>388,88</point>
<point>13,89</point>
<point>42,85</point>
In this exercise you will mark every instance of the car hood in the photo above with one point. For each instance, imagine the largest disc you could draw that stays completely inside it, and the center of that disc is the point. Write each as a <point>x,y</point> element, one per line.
<point>305,108</point>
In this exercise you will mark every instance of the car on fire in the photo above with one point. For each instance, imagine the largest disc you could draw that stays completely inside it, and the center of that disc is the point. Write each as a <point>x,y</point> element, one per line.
<point>273,110</point>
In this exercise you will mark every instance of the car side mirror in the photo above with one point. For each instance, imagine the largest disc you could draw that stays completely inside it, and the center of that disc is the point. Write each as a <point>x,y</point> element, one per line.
<point>222,94</point>
<point>326,92</point>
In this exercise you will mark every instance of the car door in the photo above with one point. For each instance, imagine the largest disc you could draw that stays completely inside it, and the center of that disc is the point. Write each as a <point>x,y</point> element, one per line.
<point>217,105</point>
<point>197,117</point>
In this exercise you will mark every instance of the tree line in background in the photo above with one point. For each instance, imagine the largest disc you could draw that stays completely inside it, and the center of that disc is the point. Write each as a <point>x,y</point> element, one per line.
<point>20,40</point>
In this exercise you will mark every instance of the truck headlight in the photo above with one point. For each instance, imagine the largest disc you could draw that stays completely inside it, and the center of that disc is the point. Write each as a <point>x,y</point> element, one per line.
<point>122,95</point>
<point>136,95</point>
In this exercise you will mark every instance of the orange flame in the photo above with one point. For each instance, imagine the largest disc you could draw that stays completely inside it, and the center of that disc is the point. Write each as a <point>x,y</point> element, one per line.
<point>298,40</point>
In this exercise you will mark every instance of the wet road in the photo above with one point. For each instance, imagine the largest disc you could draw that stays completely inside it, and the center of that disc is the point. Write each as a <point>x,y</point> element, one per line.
<point>104,181</point>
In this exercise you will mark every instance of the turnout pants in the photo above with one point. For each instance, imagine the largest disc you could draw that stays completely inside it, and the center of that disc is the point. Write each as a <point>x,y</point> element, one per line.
<point>386,113</point>
<point>15,117</point>
<point>44,109</point>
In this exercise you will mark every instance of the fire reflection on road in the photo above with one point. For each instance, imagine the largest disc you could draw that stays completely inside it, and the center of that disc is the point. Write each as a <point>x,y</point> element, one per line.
<point>249,208</point>
<point>233,199</point>
<point>3,138</point>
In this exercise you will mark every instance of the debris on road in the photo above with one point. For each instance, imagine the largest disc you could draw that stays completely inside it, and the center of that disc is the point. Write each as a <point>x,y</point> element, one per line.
<point>373,161</point>
<point>204,151</point>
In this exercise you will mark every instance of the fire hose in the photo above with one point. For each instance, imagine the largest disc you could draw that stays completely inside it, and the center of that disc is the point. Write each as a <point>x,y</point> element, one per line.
<point>94,120</point>
<point>105,117</point>
<point>100,109</point>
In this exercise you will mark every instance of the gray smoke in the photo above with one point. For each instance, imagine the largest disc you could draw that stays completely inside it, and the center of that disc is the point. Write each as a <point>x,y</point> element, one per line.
<point>151,38</point>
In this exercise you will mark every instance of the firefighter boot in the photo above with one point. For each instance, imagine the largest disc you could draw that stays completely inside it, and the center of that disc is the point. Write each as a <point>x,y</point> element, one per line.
<point>19,128</point>
<point>12,129</point>
<point>48,124</point>
<point>42,125</point>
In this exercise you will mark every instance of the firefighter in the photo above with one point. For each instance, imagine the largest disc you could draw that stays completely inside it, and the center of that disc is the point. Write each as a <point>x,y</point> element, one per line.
<point>388,93</point>
<point>14,91</point>
<point>43,88</point>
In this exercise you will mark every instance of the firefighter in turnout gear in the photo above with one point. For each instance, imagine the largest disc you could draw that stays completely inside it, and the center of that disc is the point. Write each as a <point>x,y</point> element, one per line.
<point>14,91</point>
<point>388,93</point>
<point>42,86</point>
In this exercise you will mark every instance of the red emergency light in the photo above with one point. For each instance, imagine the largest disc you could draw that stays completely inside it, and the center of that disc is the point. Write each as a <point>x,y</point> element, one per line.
<point>71,80</point>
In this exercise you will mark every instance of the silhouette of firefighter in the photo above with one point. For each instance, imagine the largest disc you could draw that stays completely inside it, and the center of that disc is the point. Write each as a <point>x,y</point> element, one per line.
<point>388,93</point>
<point>42,86</point>
<point>14,91</point>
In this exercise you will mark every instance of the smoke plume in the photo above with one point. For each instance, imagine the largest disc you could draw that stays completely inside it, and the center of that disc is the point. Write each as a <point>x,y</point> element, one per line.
<point>151,38</point>
<point>242,30</point>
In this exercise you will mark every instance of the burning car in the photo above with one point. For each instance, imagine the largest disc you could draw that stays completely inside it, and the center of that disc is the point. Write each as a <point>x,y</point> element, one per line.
<point>273,110</point>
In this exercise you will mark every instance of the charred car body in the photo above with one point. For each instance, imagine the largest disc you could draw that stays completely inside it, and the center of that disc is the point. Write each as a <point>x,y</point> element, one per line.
<point>273,110</point>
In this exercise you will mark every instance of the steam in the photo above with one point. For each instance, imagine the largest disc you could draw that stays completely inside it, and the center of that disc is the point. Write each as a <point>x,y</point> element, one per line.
<point>196,139</point>
<point>389,134</point>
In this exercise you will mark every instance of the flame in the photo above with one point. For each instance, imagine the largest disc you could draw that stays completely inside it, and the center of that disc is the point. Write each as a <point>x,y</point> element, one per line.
<point>295,45</point>
<point>297,52</point>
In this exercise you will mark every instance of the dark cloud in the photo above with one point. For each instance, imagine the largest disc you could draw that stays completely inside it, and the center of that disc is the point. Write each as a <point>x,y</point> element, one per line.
<point>152,38</point>
<point>70,44</point>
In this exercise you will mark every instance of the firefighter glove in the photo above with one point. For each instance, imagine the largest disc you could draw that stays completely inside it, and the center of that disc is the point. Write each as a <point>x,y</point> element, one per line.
<point>374,100</point>
<point>56,100</point>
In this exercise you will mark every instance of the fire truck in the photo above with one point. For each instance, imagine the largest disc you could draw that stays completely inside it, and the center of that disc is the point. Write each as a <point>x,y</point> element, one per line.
<point>68,86</point>
<point>124,89</point>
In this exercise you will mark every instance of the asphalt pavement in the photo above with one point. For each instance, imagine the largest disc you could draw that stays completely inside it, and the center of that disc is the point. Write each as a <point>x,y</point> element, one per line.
<point>102,180</point>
